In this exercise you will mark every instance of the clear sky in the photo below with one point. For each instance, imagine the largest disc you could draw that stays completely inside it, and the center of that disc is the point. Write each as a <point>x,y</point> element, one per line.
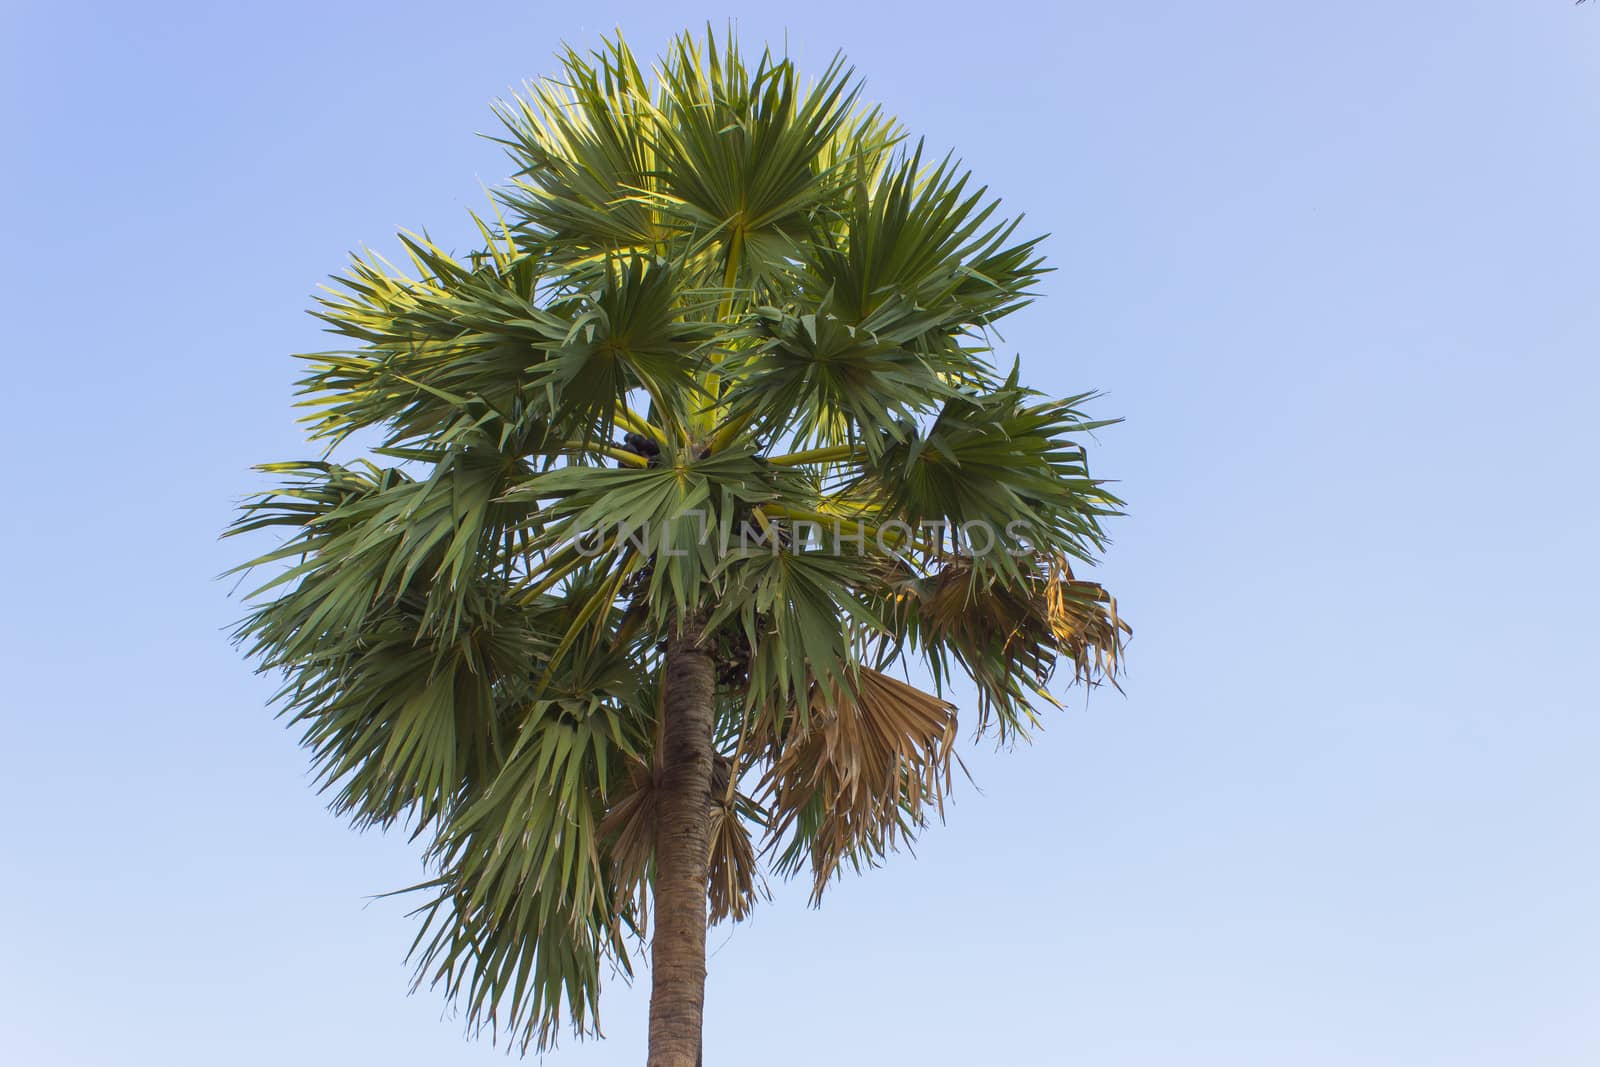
<point>1335,263</point>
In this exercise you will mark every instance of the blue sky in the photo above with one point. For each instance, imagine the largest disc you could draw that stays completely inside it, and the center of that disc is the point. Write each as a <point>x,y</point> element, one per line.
<point>1335,264</point>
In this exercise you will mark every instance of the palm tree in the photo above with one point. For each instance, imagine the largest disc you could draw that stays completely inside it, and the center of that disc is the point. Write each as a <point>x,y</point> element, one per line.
<point>662,482</point>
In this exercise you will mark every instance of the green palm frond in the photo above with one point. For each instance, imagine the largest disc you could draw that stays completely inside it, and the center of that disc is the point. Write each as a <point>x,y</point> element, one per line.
<point>1005,459</point>
<point>526,907</point>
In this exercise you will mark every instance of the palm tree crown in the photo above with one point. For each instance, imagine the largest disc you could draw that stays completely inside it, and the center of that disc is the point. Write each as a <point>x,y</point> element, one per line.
<point>719,374</point>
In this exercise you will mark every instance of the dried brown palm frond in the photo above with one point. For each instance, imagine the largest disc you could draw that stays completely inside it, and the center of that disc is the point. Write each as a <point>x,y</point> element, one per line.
<point>733,884</point>
<point>630,827</point>
<point>1083,617</point>
<point>1010,636</point>
<point>734,881</point>
<point>856,779</point>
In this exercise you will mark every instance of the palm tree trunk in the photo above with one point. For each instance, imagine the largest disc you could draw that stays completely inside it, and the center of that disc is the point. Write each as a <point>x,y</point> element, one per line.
<point>678,947</point>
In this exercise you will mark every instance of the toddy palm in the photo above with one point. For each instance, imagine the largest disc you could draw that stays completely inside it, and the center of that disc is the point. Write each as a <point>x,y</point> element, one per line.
<point>671,474</point>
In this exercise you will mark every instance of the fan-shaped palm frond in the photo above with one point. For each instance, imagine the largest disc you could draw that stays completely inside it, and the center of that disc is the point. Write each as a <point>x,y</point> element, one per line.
<point>854,780</point>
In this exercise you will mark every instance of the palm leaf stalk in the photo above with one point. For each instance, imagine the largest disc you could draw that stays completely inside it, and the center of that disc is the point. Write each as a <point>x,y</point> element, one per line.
<point>669,479</point>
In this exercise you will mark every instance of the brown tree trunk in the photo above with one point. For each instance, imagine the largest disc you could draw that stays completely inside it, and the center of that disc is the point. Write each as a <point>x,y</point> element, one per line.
<point>678,947</point>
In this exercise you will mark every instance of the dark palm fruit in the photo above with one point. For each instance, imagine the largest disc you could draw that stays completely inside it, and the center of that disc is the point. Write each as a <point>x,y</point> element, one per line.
<point>732,656</point>
<point>640,445</point>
